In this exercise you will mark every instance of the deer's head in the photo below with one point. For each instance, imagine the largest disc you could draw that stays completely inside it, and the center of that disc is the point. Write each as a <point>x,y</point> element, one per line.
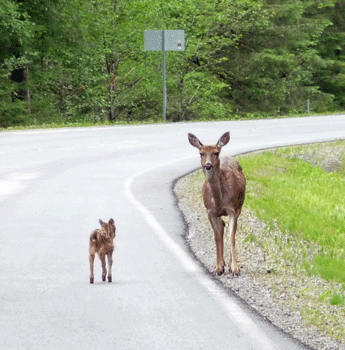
<point>209,154</point>
<point>109,228</point>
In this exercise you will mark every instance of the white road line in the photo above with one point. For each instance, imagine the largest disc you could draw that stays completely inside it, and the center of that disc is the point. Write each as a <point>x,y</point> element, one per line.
<point>233,311</point>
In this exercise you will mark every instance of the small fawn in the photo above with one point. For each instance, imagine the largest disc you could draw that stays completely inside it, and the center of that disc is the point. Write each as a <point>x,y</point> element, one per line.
<point>102,243</point>
<point>223,194</point>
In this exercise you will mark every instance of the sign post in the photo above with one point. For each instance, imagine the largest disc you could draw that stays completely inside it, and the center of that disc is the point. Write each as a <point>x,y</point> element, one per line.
<point>164,79</point>
<point>164,40</point>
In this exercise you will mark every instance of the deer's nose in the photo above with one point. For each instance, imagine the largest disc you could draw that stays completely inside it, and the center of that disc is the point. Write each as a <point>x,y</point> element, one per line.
<point>208,166</point>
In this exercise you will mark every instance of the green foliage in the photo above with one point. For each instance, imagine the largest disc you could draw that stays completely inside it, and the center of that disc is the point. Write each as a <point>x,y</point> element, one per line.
<point>269,64</point>
<point>11,112</point>
<point>15,31</point>
<point>85,59</point>
<point>330,69</point>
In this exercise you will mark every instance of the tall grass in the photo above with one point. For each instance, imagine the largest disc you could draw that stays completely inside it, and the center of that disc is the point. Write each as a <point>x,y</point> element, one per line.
<point>304,200</point>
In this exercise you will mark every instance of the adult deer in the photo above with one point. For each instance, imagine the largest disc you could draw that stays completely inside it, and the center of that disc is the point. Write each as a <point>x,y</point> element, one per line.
<point>223,193</point>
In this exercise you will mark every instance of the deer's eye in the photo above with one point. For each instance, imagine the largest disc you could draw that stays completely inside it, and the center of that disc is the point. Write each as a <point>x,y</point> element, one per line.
<point>216,154</point>
<point>202,154</point>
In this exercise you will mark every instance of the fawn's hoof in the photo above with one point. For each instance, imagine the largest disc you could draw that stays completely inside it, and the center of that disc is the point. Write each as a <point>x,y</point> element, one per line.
<point>103,278</point>
<point>91,279</point>
<point>109,278</point>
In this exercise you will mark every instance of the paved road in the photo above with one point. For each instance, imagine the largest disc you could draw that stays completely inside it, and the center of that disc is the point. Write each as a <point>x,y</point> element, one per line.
<point>55,184</point>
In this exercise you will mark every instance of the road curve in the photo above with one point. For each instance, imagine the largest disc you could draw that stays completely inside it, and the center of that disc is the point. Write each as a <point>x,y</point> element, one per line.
<point>56,184</point>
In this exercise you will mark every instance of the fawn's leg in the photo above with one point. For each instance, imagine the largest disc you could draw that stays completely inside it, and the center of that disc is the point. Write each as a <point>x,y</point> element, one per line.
<point>104,268</point>
<point>92,259</point>
<point>233,266</point>
<point>110,264</point>
<point>218,228</point>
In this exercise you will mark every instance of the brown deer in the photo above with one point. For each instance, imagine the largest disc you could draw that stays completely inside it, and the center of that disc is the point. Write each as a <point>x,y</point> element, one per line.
<point>223,193</point>
<point>102,243</point>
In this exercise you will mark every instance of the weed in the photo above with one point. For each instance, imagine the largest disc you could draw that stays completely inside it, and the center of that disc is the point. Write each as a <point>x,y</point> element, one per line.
<point>337,299</point>
<point>250,238</point>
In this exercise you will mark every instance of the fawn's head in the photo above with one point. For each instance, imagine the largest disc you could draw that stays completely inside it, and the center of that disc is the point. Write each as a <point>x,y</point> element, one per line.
<point>108,227</point>
<point>209,154</point>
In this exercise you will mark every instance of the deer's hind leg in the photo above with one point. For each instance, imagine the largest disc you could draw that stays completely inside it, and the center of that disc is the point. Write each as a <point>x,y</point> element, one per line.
<point>218,224</point>
<point>92,259</point>
<point>104,268</point>
<point>110,264</point>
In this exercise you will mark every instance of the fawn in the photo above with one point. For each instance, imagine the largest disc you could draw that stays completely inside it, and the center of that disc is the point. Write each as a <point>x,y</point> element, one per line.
<point>223,194</point>
<point>102,243</point>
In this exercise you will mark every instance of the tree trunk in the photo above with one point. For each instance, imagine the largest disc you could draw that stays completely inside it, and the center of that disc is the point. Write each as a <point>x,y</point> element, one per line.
<point>20,76</point>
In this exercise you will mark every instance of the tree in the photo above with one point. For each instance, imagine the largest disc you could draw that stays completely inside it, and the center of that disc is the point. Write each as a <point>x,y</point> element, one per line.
<point>16,31</point>
<point>330,71</point>
<point>268,64</point>
<point>86,60</point>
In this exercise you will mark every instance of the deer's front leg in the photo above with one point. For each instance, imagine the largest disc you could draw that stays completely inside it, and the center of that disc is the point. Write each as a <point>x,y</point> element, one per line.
<point>233,265</point>
<point>218,228</point>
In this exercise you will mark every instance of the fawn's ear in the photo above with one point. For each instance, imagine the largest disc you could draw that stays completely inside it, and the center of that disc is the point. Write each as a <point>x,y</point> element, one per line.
<point>111,222</point>
<point>101,222</point>
<point>194,141</point>
<point>224,140</point>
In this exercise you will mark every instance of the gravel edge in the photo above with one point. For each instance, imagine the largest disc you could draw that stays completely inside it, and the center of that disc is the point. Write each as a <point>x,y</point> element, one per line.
<point>268,284</point>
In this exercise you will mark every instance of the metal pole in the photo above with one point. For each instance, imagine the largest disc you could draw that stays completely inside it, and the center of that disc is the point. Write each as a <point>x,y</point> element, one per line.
<point>164,79</point>
<point>308,106</point>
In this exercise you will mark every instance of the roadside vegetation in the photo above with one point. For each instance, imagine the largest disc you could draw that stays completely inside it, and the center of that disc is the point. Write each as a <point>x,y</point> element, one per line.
<point>299,193</point>
<point>305,199</point>
<point>83,62</point>
<point>291,235</point>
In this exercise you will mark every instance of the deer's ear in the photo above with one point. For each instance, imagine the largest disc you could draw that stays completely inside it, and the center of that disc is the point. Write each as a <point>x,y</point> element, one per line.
<point>224,140</point>
<point>194,141</point>
<point>111,222</point>
<point>101,222</point>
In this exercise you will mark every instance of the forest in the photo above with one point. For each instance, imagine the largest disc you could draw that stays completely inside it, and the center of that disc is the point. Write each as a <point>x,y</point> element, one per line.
<point>77,61</point>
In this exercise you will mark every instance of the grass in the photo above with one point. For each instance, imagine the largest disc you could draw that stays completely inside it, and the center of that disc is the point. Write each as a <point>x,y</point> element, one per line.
<point>302,199</point>
<point>90,121</point>
<point>301,190</point>
<point>85,123</point>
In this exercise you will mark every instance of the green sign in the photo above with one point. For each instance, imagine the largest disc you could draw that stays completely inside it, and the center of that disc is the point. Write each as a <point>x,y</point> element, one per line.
<point>164,40</point>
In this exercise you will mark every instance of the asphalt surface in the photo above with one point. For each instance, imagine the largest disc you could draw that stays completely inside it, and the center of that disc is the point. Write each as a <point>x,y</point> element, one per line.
<point>56,184</point>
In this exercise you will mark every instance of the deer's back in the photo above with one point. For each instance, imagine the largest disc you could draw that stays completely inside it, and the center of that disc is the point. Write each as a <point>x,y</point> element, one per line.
<point>232,171</point>
<point>99,241</point>
<point>233,182</point>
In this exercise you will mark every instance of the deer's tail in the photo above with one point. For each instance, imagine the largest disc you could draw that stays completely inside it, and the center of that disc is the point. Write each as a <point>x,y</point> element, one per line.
<point>94,236</point>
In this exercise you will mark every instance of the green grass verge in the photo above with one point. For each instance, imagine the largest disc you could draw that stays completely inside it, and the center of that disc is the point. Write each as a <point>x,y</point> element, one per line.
<point>303,199</point>
<point>57,121</point>
<point>55,125</point>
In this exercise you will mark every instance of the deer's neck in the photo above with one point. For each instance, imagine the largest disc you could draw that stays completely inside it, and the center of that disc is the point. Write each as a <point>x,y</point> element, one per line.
<point>214,186</point>
<point>213,176</point>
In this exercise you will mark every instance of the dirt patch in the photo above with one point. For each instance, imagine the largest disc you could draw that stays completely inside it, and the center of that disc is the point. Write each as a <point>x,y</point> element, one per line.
<point>272,279</point>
